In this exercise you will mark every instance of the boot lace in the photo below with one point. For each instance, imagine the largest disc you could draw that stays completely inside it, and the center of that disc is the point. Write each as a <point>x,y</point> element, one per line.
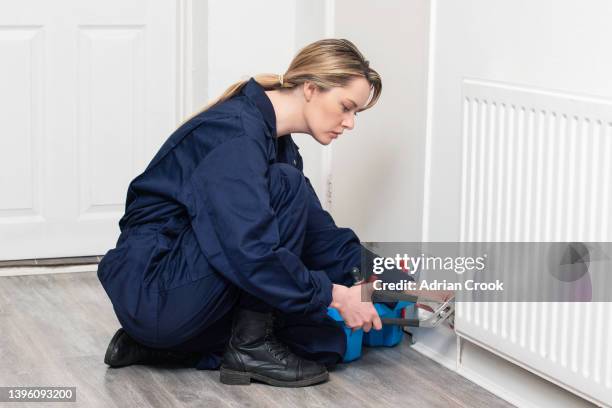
<point>278,349</point>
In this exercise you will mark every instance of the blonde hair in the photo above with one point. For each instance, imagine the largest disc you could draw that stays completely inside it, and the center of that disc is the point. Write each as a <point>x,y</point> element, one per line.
<point>327,63</point>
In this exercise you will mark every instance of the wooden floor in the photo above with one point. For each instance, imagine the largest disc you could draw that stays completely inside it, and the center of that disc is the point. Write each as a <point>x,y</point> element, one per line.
<point>55,329</point>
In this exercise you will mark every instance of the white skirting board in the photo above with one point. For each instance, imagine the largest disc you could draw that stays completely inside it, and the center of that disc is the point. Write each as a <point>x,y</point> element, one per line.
<point>503,378</point>
<point>43,270</point>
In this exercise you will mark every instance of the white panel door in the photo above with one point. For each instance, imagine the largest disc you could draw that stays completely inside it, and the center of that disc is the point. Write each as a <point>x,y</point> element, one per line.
<point>520,151</point>
<point>88,94</point>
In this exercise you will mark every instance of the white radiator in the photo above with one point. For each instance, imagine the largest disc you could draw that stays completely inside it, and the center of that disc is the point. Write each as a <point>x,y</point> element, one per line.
<point>536,167</point>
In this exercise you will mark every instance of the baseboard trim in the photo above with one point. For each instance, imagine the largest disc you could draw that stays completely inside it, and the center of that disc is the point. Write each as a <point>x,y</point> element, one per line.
<point>452,364</point>
<point>62,261</point>
<point>462,368</point>
<point>44,270</point>
<point>495,388</point>
<point>435,356</point>
<point>512,373</point>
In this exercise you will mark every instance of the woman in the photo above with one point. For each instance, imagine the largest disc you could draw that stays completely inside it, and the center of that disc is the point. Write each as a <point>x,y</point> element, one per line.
<point>226,257</point>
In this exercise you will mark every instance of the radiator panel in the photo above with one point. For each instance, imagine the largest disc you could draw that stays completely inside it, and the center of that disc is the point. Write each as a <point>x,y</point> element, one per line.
<point>536,167</point>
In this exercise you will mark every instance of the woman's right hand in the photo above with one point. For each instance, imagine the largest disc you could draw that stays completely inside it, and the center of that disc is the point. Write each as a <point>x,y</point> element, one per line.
<point>357,314</point>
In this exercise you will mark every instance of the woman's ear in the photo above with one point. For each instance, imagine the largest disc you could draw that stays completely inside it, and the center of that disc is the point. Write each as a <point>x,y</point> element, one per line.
<point>309,89</point>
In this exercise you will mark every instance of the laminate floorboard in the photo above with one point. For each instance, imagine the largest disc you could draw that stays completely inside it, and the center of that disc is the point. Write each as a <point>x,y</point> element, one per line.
<point>55,329</point>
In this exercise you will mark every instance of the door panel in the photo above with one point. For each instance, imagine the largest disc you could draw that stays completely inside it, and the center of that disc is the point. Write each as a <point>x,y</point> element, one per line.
<point>88,96</point>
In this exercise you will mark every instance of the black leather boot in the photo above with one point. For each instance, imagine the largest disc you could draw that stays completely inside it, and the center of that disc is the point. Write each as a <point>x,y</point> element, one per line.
<point>255,353</point>
<point>124,351</point>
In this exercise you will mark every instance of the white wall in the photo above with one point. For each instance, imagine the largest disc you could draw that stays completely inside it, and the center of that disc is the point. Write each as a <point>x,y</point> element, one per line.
<point>549,45</point>
<point>378,166</point>
<point>245,38</point>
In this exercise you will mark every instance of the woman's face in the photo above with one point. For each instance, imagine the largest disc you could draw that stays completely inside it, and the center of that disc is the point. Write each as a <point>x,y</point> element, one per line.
<point>329,113</point>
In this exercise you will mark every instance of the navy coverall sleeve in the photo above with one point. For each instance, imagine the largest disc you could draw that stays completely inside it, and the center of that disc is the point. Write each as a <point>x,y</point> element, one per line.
<point>230,189</point>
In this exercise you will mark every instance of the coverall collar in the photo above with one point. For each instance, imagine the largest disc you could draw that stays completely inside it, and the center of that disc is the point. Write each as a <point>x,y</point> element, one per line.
<point>256,93</point>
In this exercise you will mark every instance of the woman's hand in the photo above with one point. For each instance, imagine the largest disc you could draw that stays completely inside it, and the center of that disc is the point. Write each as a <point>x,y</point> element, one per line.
<point>357,314</point>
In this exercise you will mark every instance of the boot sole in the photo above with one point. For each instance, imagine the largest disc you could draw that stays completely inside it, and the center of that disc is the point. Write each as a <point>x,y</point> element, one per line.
<point>231,377</point>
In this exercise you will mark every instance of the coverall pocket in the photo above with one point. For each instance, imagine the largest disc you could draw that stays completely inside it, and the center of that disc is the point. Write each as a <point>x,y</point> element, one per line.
<point>182,260</point>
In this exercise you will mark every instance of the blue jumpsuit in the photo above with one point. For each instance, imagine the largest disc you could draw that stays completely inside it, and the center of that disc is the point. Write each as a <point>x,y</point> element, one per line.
<point>223,216</point>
